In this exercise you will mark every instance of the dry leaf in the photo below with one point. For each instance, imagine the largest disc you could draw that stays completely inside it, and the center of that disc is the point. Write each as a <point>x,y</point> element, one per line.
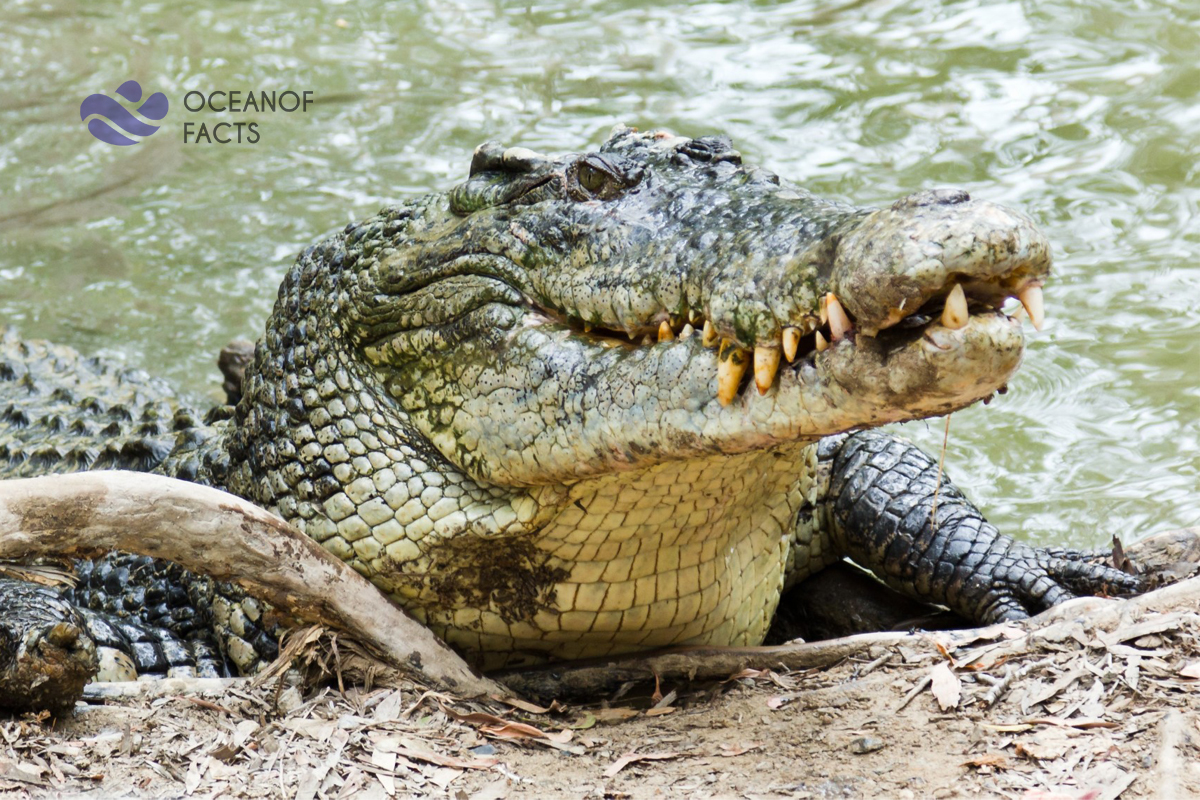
<point>614,714</point>
<point>317,729</point>
<point>1040,752</point>
<point>630,758</point>
<point>1191,670</point>
<point>527,706</point>
<point>1082,723</point>
<point>738,749</point>
<point>946,686</point>
<point>519,730</point>
<point>988,760</point>
<point>438,759</point>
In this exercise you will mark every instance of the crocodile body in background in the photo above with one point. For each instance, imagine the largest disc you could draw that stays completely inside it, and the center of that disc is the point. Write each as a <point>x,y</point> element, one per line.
<point>572,407</point>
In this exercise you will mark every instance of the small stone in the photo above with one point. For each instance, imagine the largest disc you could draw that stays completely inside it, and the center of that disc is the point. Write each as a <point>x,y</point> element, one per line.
<point>866,744</point>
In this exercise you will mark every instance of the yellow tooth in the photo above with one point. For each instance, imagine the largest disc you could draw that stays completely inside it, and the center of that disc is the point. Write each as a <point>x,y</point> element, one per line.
<point>687,331</point>
<point>708,337</point>
<point>791,341</point>
<point>1031,298</point>
<point>839,323</point>
<point>955,315</point>
<point>824,310</point>
<point>822,345</point>
<point>692,316</point>
<point>587,328</point>
<point>665,334</point>
<point>731,366</point>
<point>766,364</point>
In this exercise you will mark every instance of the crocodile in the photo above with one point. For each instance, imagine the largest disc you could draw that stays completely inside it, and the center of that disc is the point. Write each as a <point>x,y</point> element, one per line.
<point>585,405</point>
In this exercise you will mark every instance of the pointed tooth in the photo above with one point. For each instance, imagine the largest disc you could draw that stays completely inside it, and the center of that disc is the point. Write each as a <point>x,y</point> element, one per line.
<point>822,345</point>
<point>647,340</point>
<point>766,364</point>
<point>632,335</point>
<point>839,323</point>
<point>708,336</point>
<point>731,366</point>
<point>587,328</point>
<point>665,334</point>
<point>1031,298</point>
<point>824,310</point>
<point>791,342</point>
<point>687,331</point>
<point>692,316</point>
<point>955,314</point>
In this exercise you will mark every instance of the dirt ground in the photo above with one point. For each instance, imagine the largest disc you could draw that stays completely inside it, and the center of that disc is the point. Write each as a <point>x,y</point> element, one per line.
<point>1097,699</point>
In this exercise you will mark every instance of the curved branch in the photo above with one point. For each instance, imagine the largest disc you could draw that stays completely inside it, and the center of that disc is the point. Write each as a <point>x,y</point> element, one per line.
<point>214,533</point>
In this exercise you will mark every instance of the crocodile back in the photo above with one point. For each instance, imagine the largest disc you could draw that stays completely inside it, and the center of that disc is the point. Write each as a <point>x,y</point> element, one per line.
<point>62,412</point>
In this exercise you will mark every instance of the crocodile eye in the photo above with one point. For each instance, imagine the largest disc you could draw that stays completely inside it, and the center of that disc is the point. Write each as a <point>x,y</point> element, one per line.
<point>603,176</point>
<point>592,179</point>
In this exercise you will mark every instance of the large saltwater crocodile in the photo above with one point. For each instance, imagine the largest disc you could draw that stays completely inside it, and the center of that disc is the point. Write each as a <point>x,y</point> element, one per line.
<point>575,406</point>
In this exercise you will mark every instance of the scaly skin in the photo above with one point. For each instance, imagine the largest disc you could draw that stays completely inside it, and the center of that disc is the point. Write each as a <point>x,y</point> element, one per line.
<point>466,397</point>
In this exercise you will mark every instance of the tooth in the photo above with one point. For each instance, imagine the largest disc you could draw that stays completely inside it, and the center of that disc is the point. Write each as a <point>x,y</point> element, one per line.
<point>1031,298</point>
<point>824,310</point>
<point>587,328</point>
<point>822,345</point>
<point>791,341</point>
<point>665,334</point>
<point>766,364</point>
<point>687,331</point>
<point>730,370</point>
<point>708,337</point>
<point>647,341</point>
<point>692,316</point>
<point>839,323</point>
<point>954,315</point>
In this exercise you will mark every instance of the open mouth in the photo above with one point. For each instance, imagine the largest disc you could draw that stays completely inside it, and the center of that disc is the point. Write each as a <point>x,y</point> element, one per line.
<point>800,344</point>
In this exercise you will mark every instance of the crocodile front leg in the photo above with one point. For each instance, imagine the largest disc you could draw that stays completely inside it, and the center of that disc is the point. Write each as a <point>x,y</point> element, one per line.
<point>879,509</point>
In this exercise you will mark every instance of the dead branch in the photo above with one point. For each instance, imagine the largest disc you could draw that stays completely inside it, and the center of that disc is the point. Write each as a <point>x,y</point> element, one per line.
<point>214,533</point>
<point>1084,616</point>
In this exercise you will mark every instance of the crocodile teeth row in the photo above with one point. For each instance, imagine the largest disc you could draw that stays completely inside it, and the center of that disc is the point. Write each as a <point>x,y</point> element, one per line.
<point>732,360</point>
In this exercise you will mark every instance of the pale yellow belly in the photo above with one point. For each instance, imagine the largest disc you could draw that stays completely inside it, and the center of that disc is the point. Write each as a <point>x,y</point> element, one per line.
<point>693,552</point>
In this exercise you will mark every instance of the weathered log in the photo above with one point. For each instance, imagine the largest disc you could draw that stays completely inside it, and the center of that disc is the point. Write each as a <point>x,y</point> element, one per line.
<point>214,533</point>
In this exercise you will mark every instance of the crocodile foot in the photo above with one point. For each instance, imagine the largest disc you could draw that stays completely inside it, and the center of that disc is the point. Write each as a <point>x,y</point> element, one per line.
<point>892,513</point>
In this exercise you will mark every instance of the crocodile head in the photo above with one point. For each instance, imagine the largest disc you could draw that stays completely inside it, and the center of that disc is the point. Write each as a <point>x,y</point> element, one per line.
<point>554,318</point>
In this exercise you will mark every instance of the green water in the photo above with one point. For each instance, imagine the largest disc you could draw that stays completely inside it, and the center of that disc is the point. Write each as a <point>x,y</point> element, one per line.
<point>1084,113</point>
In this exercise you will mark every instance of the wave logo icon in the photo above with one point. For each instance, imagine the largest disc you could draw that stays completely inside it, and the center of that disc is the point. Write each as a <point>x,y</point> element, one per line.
<point>114,113</point>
